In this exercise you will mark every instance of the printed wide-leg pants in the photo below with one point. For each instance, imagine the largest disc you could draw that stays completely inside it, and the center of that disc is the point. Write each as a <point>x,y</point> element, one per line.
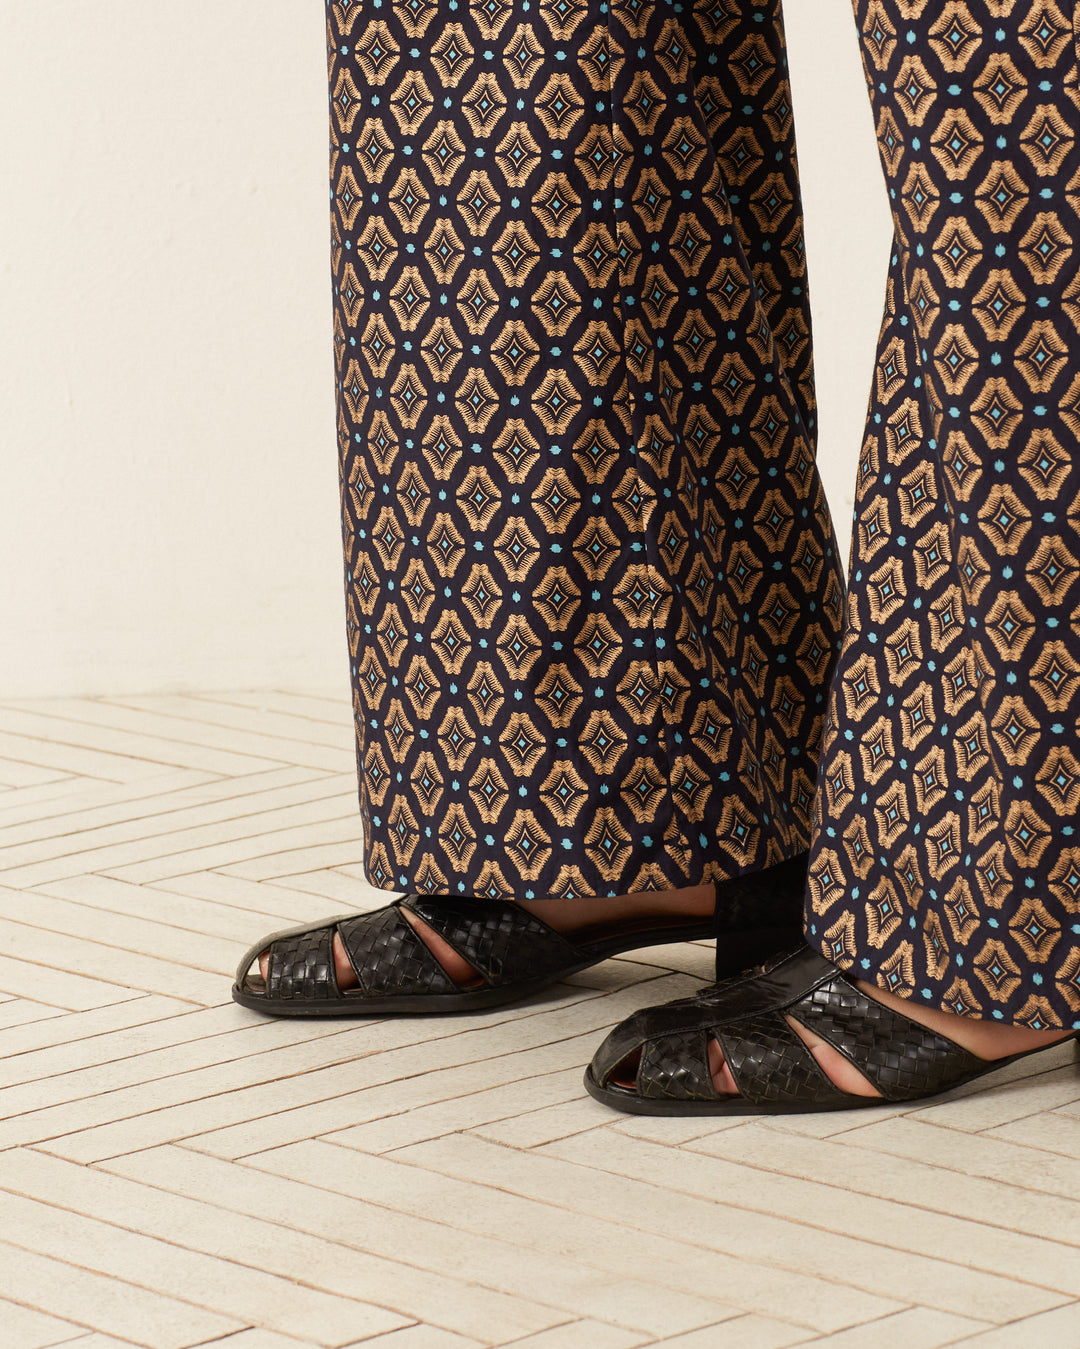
<point>946,857</point>
<point>593,597</point>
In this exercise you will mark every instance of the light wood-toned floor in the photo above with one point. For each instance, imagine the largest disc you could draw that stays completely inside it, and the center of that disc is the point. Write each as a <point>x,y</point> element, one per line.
<point>176,1171</point>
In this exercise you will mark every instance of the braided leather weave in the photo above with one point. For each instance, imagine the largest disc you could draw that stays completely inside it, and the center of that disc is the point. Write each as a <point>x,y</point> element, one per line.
<point>302,966</point>
<point>389,957</point>
<point>901,1058</point>
<point>505,943</point>
<point>512,951</point>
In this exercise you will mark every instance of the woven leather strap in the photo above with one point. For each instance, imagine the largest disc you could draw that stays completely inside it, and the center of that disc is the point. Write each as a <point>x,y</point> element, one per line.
<point>772,1066</point>
<point>901,1058</point>
<point>502,942</point>
<point>389,957</point>
<point>302,966</point>
<point>676,1068</point>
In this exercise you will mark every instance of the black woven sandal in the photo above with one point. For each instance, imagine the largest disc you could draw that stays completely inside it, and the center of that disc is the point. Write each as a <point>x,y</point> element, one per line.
<point>513,953</point>
<point>772,1067</point>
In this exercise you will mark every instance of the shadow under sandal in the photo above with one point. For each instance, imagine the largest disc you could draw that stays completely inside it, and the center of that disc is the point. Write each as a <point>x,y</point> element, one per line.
<point>657,1061</point>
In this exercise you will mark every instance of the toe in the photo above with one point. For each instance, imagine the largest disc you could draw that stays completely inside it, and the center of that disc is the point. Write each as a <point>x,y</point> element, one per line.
<point>722,1078</point>
<point>343,966</point>
<point>619,1067</point>
<point>251,977</point>
<point>454,965</point>
<point>655,1034</point>
<point>251,971</point>
<point>624,1074</point>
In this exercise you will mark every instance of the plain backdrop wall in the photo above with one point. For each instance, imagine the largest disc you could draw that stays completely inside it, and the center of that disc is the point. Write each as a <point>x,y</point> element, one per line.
<point>168,493</point>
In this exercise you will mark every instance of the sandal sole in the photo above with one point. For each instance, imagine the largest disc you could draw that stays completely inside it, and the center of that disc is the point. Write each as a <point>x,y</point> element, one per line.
<point>431,1004</point>
<point>630,1103</point>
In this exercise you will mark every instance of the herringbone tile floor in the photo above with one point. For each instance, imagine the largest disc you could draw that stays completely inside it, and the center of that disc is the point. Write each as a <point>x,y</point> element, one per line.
<point>175,1171</point>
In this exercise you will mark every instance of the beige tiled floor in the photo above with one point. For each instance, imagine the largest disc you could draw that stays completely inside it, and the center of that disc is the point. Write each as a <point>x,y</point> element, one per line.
<point>176,1171</point>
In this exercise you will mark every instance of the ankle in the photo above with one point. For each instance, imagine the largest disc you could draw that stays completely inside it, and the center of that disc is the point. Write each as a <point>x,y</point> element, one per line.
<point>697,902</point>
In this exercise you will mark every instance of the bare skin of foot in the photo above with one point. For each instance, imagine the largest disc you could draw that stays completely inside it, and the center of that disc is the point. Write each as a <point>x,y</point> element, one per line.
<point>986,1039</point>
<point>564,915</point>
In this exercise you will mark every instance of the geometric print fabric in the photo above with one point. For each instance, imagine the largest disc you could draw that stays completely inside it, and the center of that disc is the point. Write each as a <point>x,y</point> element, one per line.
<point>592,593</point>
<point>946,854</point>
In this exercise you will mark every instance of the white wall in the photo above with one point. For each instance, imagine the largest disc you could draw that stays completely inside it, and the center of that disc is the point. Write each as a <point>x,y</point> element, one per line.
<point>848,232</point>
<point>168,499</point>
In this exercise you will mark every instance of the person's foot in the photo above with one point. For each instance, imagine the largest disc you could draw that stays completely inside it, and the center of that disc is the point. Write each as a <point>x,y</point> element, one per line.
<point>442,954</point>
<point>987,1040</point>
<point>575,917</point>
<point>795,1035</point>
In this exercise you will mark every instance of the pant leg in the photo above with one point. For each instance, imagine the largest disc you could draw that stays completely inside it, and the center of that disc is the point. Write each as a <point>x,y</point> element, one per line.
<point>592,592</point>
<point>945,856</point>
